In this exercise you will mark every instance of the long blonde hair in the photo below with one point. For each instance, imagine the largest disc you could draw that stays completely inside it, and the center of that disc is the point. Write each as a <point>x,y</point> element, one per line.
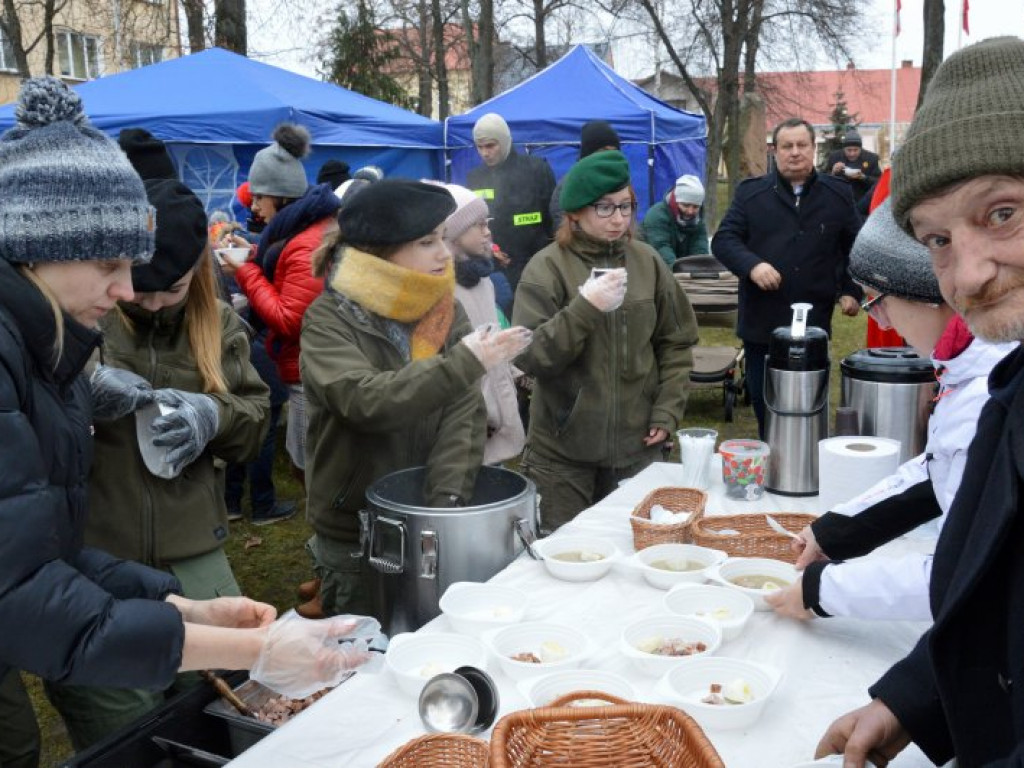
<point>205,336</point>
<point>58,312</point>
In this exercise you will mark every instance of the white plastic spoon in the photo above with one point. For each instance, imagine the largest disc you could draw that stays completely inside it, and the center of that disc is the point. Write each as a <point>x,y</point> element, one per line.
<point>776,526</point>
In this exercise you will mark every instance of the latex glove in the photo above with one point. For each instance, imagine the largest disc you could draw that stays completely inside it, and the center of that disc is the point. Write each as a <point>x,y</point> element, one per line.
<point>492,348</point>
<point>117,392</point>
<point>300,656</point>
<point>607,291</point>
<point>187,429</point>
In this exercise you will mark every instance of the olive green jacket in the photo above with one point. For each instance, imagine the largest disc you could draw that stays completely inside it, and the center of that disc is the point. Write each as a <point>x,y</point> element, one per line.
<point>603,379</point>
<point>371,412</point>
<point>136,515</point>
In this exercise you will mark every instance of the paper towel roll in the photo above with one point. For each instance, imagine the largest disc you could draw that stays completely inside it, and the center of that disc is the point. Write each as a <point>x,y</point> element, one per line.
<point>848,466</point>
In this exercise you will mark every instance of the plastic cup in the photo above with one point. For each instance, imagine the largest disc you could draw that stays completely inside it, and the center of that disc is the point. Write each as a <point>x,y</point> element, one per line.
<point>696,446</point>
<point>744,464</point>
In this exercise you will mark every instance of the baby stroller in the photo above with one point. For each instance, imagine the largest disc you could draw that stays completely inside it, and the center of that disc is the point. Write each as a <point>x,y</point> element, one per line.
<point>713,293</point>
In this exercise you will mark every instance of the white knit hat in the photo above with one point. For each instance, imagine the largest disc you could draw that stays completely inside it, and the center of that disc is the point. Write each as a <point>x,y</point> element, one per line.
<point>471,209</point>
<point>689,190</point>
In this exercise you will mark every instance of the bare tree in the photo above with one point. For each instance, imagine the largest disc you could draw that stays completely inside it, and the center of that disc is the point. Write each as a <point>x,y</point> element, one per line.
<point>230,29</point>
<point>195,23</point>
<point>440,65</point>
<point>479,34</point>
<point>934,36</point>
<point>19,14</point>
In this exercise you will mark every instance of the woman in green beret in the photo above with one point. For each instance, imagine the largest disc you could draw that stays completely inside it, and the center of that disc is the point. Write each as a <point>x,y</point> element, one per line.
<point>611,346</point>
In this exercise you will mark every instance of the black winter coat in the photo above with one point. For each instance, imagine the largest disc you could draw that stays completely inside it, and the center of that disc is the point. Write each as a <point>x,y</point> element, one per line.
<point>518,192</point>
<point>67,613</point>
<point>961,690</point>
<point>807,240</point>
<point>867,164</point>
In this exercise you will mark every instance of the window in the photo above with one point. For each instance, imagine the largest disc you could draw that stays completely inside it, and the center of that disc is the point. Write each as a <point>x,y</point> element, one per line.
<point>78,55</point>
<point>144,54</point>
<point>7,62</point>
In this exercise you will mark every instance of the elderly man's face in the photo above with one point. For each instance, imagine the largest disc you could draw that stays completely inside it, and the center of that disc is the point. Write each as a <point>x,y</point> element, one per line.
<point>975,233</point>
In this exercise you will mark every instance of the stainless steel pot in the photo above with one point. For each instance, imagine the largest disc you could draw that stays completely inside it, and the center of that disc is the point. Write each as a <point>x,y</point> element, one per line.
<point>415,552</point>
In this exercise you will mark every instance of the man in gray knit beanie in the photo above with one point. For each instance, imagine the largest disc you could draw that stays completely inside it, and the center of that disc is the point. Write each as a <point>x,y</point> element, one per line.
<point>958,188</point>
<point>69,192</point>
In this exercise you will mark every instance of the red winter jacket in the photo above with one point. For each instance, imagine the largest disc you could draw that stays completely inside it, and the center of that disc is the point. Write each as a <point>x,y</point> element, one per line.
<point>282,304</point>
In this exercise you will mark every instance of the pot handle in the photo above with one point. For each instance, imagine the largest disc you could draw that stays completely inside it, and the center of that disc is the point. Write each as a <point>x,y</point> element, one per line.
<point>526,535</point>
<point>383,563</point>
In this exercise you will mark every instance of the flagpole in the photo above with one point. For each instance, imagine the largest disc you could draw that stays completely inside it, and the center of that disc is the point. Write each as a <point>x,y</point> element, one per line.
<point>960,28</point>
<point>892,85</point>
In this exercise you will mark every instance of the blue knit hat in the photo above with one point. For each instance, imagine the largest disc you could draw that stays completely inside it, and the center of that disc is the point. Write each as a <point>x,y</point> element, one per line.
<point>69,192</point>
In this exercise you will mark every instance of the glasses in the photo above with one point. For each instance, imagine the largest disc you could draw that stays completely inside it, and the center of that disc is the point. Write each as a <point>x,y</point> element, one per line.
<point>868,304</point>
<point>482,224</point>
<point>605,210</point>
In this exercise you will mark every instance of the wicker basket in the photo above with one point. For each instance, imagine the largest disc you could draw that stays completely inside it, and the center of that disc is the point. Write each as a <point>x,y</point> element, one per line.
<point>439,750</point>
<point>753,538</point>
<point>647,534</point>
<point>624,735</point>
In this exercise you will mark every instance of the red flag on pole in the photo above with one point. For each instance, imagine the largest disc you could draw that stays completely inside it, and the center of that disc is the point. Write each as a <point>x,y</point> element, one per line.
<point>899,7</point>
<point>967,26</point>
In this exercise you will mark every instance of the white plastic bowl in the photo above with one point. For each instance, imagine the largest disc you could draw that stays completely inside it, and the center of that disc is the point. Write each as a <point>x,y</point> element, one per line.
<point>663,579</point>
<point>753,566</point>
<point>528,637</point>
<point>235,255</point>
<point>687,684</point>
<point>415,658</point>
<point>473,608</point>
<point>568,571</point>
<point>670,627</point>
<point>832,760</point>
<point>851,171</point>
<point>704,600</point>
<point>153,456</point>
<point>541,691</point>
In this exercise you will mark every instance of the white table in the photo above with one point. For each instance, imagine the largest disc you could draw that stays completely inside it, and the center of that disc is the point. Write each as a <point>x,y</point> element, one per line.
<point>828,664</point>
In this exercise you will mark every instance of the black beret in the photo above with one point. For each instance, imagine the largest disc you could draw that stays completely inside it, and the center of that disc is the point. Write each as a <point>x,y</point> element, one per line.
<point>333,172</point>
<point>147,154</point>
<point>180,236</point>
<point>598,134</point>
<point>394,211</point>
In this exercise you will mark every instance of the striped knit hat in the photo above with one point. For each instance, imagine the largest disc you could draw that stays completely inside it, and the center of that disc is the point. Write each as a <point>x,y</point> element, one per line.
<point>69,192</point>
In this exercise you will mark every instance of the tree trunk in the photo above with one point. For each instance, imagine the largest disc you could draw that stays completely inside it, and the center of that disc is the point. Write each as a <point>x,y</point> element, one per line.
<point>727,108</point>
<point>540,45</point>
<point>11,25</point>
<point>49,13</point>
<point>440,66</point>
<point>426,90</point>
<point>486,32</point>
<point>934,34</point>
<point>230,30</point>
<point>194,22</point>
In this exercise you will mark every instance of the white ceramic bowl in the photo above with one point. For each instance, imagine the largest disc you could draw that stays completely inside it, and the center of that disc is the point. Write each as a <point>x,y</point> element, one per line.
<point>415,658</point>
<point>473,608</point>
<point>541,691</point>
<point>729,608</point>
<point>569,571</point>
<point>687,684</point>
<point>669,627</point>
<point>753,566</point>
<point>529,637</point>
<point>236,256</point>
<point>663,579</point>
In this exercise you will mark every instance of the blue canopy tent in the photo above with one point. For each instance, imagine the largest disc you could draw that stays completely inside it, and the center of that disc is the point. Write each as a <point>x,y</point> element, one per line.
<point>547,111</point>
<point>216,109</point>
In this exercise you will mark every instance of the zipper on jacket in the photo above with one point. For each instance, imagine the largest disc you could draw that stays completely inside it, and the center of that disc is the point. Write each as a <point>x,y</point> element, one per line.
<point>148,513</point>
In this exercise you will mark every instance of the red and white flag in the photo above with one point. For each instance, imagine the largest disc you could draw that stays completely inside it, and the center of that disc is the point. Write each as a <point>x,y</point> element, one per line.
<point>966,23</point>
<point>899,7</point>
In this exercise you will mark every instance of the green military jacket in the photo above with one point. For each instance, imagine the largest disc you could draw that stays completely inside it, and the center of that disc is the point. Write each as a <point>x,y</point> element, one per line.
<point>672,241</point>
<point>371,412</point>
<point>603,379</point>
<point>136,515</point>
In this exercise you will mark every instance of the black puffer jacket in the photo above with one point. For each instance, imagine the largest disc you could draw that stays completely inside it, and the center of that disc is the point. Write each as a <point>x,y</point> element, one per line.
<point>807,240</point>
<point>67,613</point>
<point>518,192</point>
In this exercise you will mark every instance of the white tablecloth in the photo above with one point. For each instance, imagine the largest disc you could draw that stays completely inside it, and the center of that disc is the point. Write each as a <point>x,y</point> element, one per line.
<point>827,664</point>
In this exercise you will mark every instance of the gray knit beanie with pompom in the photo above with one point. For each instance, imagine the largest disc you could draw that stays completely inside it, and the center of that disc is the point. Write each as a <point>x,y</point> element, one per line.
<point>277,170</point>
<point>69,192</point>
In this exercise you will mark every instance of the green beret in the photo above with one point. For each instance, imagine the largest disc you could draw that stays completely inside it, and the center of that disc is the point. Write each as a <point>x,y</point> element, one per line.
<point>593,177</point>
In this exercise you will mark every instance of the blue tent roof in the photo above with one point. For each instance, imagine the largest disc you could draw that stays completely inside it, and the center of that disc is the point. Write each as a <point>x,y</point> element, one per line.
<point>552,106</point>
<point>219,97</point>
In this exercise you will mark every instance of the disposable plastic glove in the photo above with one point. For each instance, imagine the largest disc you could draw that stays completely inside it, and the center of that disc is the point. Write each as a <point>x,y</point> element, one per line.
<point>187,429</point>
<point>117,392</point>
<point>300,656</point>
<point>607,291</point>
<point>493,347</point>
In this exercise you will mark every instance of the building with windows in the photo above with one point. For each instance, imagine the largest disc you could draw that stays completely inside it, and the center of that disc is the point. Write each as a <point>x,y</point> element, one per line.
<point>90,38</point>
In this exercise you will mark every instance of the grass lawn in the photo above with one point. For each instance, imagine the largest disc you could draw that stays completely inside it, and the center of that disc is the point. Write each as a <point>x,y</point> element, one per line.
<point>270,561</point>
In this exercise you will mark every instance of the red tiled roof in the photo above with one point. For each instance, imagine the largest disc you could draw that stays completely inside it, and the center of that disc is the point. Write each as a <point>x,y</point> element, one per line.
<point>812,95</point>
<point>456,56</point>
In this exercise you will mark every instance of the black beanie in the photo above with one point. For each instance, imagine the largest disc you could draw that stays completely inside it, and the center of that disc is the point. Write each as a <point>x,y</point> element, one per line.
<point>597,134</point>
<point>394,211</point>
<point>180,236</point>
<point>147,154</point>
<point>333,172</point>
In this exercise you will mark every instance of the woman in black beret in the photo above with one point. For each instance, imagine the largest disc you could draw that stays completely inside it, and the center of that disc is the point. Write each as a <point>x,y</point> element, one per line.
<point>390,367</point>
